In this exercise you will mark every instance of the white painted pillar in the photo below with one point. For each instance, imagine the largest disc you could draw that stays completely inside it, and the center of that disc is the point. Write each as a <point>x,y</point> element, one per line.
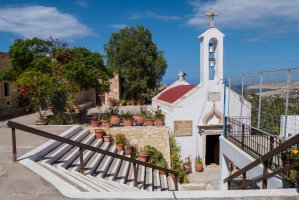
<point>224,170</point>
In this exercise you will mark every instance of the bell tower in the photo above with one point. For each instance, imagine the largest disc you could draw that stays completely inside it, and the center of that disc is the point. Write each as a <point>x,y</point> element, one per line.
<point>211,52</point>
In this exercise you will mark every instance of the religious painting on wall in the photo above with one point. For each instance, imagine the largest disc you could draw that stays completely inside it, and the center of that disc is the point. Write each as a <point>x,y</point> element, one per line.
<point>182,128</point>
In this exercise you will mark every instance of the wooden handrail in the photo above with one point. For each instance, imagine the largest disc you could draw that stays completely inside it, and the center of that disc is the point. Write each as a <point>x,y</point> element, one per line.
<point>285,145</point>
<point>15,125</point>
<point>261,177</point>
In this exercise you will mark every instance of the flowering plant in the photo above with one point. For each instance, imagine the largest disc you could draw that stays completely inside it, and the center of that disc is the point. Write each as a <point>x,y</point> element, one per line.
<point>187,161</point>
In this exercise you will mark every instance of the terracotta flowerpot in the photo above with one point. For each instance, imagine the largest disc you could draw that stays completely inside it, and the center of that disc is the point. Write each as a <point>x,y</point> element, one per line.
<point>68,110</point>
<point>97,107</point>
<point>162,172</point>
<point>132,103</point>
<point>138,103</point>
<point>187,169</point>
<point>142,157</point>
<point>160,122</point>
<point>128,150</point>
<point>115,120</point>
<point>77,110</point>
<point>95,124</point>
<point>99,133</point>
<point>120,147</point>
<point>198,167</point>
<point>149,122</point>
<point>139,120</point>
<point>40,123</point>
<point>51,109</point>
<point>128,122</point>
<point>107,138</point>
<point>106,123</point>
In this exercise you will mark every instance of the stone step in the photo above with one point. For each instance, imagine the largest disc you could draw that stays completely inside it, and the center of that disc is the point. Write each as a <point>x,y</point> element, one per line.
<point>66,162</point>
<point>87,155</point>
<point>157,185</point>
<point>49,146</point>
<point>60,152</point>
<point>149,179</point>
<point>95,161</point>
<point>141,177</point>
<point>107,164</point>
<point>62,172</point>
<point>114,169</point>
<point>123,172</point>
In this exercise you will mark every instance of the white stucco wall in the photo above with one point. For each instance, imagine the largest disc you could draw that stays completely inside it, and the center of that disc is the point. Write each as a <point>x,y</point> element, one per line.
<point>241,159</point>
<point>193,107</point>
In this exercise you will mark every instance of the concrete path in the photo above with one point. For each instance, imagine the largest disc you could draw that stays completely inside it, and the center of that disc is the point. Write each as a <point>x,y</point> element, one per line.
<point>16,181</point>
<point>206,180</point>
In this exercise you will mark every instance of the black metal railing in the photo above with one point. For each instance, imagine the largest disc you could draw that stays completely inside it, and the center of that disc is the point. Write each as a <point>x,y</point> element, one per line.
<point>82,147</point>
<point>253,141</point>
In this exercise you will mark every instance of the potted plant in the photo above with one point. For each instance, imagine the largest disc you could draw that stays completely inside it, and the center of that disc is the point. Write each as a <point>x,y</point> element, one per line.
<point>142,155</point>
<point>105,117</point>
<point>149,117</point>
<point>159,116</point>
<point>95,121</point>
<point>198,164</point>
<point>128,149</point>
<point>107,138</point>
<point>99,133</point>
<point>120,141</point>
<point>187,165</point>
<point>162,163</point>
<point>139,117</point>
<point>128,118</point>
<point>114,116</point>
<point>122,102</point>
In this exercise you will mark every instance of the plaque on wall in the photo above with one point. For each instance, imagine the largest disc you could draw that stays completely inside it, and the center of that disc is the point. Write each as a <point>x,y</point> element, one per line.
<point>214,96</point>
<point>182,128</point>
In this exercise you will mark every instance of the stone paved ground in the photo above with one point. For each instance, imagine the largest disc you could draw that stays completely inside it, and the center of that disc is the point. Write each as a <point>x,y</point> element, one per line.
<point>206,180</point>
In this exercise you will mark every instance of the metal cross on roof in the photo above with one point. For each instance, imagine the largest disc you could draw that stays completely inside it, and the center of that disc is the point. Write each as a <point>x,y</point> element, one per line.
<point>182,75</point>
<point>212,13</point>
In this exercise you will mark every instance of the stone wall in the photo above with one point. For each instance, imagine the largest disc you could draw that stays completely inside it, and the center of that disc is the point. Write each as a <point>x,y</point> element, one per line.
<point>157,137</point>
<point>114,90</point>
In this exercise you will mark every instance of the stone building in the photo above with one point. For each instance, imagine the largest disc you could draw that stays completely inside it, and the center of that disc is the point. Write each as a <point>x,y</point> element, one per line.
<point>8,90</point>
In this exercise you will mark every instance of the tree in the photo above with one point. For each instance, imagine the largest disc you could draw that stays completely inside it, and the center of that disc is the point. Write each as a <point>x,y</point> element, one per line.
<point>132,54</point>
<point>49,73</point>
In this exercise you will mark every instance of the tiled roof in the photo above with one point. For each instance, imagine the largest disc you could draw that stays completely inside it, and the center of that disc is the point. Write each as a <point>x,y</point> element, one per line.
<point>175,93</point>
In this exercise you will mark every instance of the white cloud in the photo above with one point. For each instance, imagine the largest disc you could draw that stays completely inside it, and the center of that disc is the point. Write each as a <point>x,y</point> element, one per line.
<point>118,26</point>
<point>152,15</point>
<point>272,16</point>
<point>82,3</point>
<point>40,21</point>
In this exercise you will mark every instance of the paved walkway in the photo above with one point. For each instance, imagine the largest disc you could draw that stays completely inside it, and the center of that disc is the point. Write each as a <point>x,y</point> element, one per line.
<point>206,180</point>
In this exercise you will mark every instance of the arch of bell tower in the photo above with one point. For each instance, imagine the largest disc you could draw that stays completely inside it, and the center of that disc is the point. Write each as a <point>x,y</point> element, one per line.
<point>211,55</point>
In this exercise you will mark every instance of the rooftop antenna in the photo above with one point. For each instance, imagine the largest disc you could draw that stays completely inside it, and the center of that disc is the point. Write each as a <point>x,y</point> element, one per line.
<point>211,14</point>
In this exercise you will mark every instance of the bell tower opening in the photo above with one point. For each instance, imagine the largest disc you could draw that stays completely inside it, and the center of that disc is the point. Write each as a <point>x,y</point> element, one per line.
<point>212,60</point>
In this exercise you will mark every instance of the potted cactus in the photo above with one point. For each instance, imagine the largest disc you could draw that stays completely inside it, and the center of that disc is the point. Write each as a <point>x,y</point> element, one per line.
<point>95,122</point>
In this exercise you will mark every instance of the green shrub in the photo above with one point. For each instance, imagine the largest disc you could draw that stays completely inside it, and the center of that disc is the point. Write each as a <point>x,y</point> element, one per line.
<point>176,160</point>
<point>155,157</point>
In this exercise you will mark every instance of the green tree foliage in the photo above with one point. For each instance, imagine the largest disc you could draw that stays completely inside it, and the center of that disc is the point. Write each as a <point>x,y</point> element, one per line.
<point>132,54</point>
<point>49,73</point>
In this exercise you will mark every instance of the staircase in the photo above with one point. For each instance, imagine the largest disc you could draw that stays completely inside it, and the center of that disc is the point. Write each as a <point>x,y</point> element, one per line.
<point>100,172</point>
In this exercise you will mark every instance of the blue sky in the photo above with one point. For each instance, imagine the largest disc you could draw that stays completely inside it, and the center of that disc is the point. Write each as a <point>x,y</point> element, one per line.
<point>260,35</point>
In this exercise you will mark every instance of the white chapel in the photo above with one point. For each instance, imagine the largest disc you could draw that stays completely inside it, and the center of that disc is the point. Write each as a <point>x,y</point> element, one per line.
<point>194,113</point>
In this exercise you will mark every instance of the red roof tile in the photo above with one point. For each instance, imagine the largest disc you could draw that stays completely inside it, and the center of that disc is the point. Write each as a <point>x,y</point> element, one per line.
<point>173,94</point>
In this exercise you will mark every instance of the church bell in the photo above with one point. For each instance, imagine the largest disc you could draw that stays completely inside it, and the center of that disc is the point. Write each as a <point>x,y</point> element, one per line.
<point>212,48</point>
<point>212,63</point>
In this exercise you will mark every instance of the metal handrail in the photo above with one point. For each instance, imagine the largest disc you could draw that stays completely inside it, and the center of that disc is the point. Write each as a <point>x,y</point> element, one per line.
<point>264,159</point>
<point>82,147</point>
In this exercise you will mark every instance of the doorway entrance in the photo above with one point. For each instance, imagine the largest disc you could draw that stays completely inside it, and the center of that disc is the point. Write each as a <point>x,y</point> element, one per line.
<point>212,149</point>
